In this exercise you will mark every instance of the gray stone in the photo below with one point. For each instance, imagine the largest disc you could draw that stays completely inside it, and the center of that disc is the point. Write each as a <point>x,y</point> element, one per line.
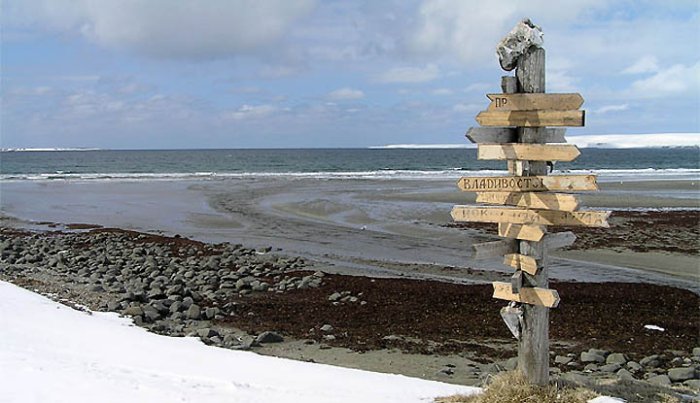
<point>193,312</point>
<point>625,375</point>
<point>650,361</point>
<point>588,356</point>
<point>511,364</point>
<point>681,374</point>
<point>269,337</point>
<point>616,358</point>
<point>634,366</point>
<point>693,384</point>
<point>335,296</point>
<point>133,311</point>
<point>562,359</point>
<point>210,313</point>
<point>661,380</point>
<point>575,377</point>
<point>207,332</point>
<point>327,328</point>
<point>150,313</point>
<point>610,368</point>
<point>591,367</point>
<point>696,352</point>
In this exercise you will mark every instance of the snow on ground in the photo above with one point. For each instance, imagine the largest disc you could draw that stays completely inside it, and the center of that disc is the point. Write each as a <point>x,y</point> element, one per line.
<point>52,353</point>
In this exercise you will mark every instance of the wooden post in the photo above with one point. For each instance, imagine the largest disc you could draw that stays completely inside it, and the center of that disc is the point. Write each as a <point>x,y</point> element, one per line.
<point>533,351</point>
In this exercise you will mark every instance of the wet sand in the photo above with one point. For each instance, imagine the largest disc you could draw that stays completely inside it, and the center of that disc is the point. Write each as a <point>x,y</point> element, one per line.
<point>375,227</point>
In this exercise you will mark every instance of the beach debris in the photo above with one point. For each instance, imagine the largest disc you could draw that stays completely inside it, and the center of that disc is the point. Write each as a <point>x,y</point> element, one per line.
<point>654,327</point>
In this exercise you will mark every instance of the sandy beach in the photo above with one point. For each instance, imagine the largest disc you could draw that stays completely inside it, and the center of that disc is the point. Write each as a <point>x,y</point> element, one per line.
<point>377,238</point>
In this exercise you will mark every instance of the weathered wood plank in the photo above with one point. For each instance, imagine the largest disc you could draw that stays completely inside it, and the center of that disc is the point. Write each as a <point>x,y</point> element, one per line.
<point>562,183</point>
<point>527,295</point>
<point>519,231</point>
<point>532,118</point>
<point>546,201</point>
<point>488,250</point>
<point>502,135</point>
<point>527,264</point>
<point>531,217</point>
<point>529,152</point>
<point>559,240</point>
<point>531,102</point>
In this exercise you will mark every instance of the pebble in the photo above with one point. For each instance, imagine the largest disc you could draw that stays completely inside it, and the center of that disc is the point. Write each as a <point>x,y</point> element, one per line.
<point>269,337</point>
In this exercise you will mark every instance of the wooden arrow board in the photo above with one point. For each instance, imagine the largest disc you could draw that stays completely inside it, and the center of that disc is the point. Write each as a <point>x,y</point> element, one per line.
<point>501,135</point>
<point>532,118</point>
<point>527,183</point>
<point>521,262</point>
<point>559,240</point>
<point>530,217</point>
<point>545,201</point>
<point>519,231</point>
<point>488,250</point>
<point>531,102</point>
<point>528,152</point>
<point>527,295</point>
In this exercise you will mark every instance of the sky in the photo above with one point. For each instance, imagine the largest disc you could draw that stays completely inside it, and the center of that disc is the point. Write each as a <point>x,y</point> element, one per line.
<point>163,74</point>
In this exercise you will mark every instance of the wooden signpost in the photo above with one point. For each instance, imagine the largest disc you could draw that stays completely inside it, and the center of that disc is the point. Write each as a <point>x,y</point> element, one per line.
<point>513,129</point>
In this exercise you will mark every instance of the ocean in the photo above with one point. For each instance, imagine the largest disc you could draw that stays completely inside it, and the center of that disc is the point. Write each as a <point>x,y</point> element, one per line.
<point>609,164</point>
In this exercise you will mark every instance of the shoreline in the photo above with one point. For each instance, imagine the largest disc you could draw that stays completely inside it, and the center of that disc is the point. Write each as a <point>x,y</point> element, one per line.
<point>430,329</point>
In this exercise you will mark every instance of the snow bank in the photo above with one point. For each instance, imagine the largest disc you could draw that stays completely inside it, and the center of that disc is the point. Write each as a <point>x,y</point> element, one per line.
<point>52,353</point>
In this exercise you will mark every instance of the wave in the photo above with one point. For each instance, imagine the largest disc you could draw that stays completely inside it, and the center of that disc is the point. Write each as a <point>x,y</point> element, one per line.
<point>17,150</point>
<point>454,173</point>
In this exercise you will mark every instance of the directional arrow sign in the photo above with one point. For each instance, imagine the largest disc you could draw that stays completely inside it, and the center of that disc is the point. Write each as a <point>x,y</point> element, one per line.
<point>559,240</point>
<point>519,231</point>
<point>521,262</point>
<point>546,201</point>
<point>489,250</point>
<point>530,217</point>
<point>500,135</point>
<point>570,183</point>
<point>531,102</point>
<point>528,152</point>
<point>531,118</point>
<point>527,295</point>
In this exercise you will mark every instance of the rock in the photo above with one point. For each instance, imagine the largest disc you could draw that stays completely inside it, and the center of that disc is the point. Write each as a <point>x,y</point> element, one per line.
<point>210,313</point>
<point>696,352</point>
<point>661,380</point>
<point>207,332</point>
<point>334,297</point>
<point>113,305</point>
<point>562,359</point>
<point>133,311</point>
<point>650,361</point>
<point>610,368</point>
<point>392,337</point>
<point>634,367</point>
<point>575,377</point>
<point>269,337</point>
<point>588,356</point>
<point>328,337</point>
<point>625,375</point>
<point>681,374</point>
<point>150,313</point>
<point>327,328</point>
<point>693,384</point>
<point>193,312</point>
<point>616,358</point>
<point>446,371</point>
<point>591,367</point>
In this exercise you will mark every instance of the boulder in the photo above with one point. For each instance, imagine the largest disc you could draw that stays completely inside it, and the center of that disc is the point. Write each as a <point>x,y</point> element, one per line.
<point>681,374</point>
<point>269,337</point>
<point>661,380</point>
<point>616,358</point>
<point>588,356</point>
<point>193,312</point>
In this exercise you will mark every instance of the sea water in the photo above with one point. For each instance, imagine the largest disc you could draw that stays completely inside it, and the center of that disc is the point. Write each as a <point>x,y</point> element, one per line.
<point>609,164</point>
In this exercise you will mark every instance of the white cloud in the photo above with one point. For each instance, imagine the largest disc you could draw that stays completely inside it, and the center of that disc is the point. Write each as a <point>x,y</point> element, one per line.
<point>612,108</point>
<point>442,91</point>
<point>646,64</point>
<point>676,79</point>
<point>466,107</point>
<point>410,74</point>
<point>470,30</point>
<point>252,112</point>
<point>172,29</point>
<point>346,94</point>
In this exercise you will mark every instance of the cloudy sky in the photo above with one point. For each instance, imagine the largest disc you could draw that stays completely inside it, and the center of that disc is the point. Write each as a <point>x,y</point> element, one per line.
<point>305,73</point>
